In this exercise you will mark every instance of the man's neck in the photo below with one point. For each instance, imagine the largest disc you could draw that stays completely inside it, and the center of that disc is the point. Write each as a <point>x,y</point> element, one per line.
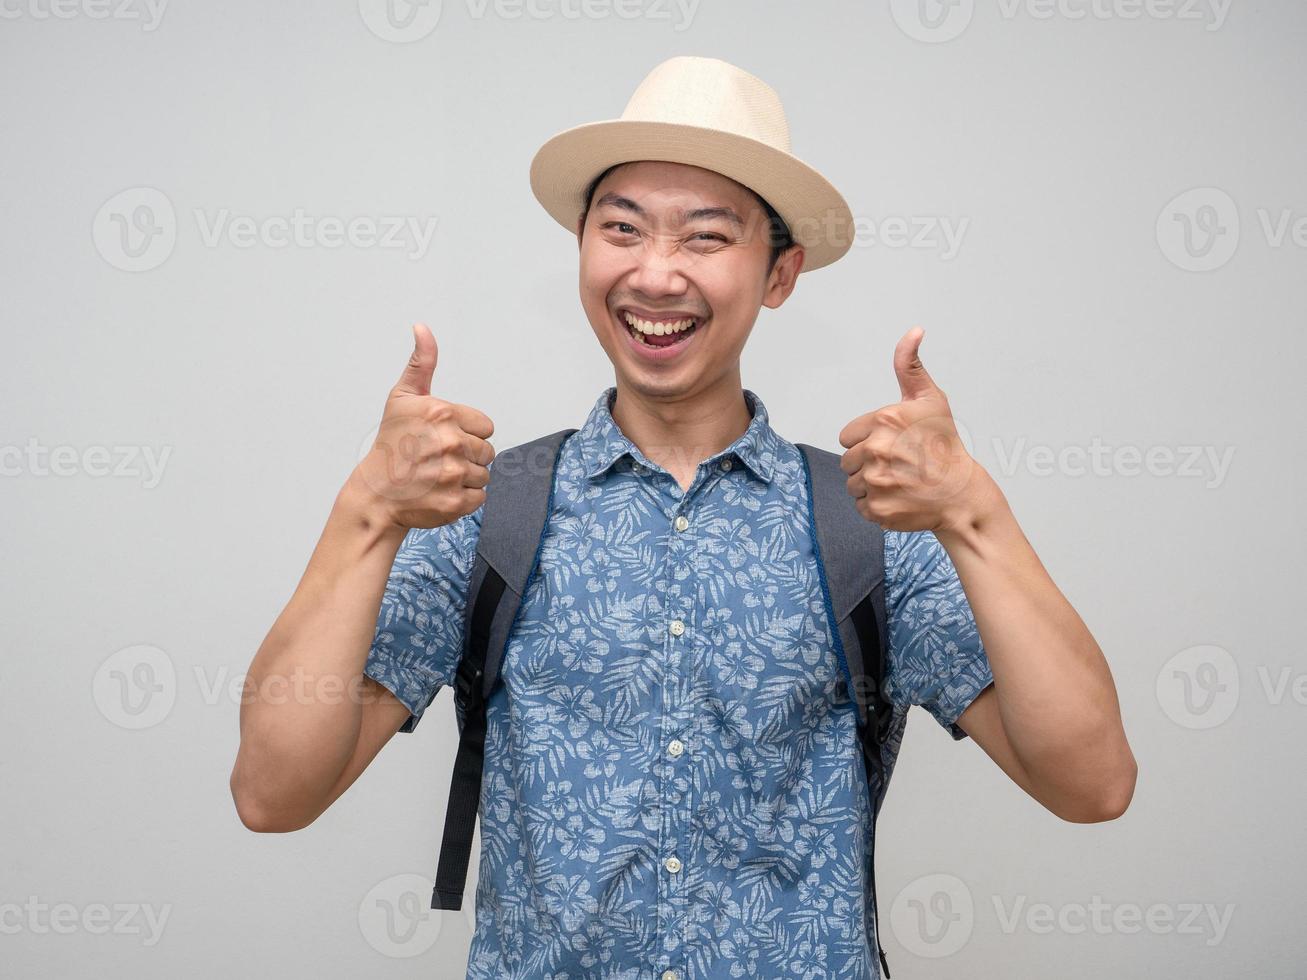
<point>678,434</point>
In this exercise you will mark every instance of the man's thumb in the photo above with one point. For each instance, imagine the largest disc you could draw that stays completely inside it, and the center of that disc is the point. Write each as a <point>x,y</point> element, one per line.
<point>416,379</point>
<point>914,381</point>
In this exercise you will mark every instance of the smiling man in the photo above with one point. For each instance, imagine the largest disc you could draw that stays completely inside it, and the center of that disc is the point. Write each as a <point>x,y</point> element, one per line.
<point>672,287</point>
<point>673,785</point>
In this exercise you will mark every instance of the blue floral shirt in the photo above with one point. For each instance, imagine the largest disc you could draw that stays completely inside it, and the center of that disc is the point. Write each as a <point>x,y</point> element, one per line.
<point>673,783</point>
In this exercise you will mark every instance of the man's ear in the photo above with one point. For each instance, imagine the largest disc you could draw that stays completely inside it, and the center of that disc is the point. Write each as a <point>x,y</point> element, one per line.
<point>784,276</point>
<point>580,231</point>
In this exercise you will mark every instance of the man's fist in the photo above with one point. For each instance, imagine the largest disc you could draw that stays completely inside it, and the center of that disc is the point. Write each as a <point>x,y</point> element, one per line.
<point>428,465</point>
<point>908,469</point>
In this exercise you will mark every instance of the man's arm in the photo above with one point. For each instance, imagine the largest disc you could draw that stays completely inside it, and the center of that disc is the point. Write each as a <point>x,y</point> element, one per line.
<point>1051,719</point>
<point>311,720</point>
<point>303,710</point>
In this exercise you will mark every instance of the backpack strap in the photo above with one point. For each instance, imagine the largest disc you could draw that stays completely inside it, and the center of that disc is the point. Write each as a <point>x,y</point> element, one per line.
<point>851,557</point>
<point>519,497</point>
<point>850,552</point>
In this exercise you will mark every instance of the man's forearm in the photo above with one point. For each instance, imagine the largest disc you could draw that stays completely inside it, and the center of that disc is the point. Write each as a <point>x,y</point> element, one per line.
<point>1056,696</point>
<point>302,707</point>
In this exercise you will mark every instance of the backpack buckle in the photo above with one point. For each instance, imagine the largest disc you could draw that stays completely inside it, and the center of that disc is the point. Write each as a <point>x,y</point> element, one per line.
<point>467,681</point>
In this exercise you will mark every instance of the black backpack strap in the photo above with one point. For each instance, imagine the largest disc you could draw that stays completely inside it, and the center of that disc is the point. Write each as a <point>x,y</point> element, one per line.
<point>850,553</point>
<point>519,497</point>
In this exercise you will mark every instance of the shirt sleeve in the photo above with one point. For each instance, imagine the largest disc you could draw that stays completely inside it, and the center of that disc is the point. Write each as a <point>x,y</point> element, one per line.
<point>419,635</point>
<point>936,656</point>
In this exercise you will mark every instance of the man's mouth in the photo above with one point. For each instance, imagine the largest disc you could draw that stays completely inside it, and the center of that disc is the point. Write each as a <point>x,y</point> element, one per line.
<point>662,332</point>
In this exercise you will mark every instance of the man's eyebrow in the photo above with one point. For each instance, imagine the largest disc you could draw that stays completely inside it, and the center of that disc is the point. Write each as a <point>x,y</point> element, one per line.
<point>615,200</point>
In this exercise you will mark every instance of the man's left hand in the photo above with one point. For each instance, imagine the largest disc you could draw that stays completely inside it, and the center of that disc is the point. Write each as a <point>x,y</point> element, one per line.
<point>908,469</point>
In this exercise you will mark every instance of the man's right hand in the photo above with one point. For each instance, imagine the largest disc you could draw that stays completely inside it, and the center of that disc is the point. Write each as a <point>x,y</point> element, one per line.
<point>428,465</point>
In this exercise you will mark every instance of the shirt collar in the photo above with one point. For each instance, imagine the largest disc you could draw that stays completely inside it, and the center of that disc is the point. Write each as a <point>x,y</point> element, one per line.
<point>602,443</point>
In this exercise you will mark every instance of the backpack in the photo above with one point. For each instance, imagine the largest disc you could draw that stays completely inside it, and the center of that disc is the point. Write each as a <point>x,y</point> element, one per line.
<point>519,498</point>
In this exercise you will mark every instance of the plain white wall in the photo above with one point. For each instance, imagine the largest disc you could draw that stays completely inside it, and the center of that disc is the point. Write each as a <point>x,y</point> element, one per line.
<point>1067,146</point>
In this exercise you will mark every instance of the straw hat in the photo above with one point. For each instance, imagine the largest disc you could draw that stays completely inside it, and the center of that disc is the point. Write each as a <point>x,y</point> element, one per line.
<point>705,112</point>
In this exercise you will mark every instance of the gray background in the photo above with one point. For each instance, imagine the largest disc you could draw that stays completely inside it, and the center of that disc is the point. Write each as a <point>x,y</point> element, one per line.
<point>1073,313</point>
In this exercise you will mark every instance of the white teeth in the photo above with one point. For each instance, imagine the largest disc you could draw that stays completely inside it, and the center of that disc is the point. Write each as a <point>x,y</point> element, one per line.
<point>658,329</point>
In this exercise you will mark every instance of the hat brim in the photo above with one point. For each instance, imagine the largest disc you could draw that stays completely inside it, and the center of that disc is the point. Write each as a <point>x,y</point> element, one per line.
<point>817,214</point>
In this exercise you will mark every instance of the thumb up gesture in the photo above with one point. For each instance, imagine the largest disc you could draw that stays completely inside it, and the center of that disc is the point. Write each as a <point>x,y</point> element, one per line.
<point>428,465</point>
<point>908,469</point>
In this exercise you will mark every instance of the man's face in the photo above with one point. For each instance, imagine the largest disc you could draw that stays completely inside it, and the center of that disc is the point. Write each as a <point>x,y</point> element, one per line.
<point>647,253</point>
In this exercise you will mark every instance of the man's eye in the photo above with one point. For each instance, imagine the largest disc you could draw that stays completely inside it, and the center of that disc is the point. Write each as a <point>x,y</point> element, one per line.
<point>624,227</point>
<point>711,234</point>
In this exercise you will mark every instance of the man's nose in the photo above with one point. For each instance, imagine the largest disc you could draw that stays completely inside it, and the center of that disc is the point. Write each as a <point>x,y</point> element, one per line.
<point>661,267</point>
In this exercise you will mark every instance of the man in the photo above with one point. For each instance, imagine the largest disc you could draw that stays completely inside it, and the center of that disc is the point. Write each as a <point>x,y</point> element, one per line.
<point>673,782</point>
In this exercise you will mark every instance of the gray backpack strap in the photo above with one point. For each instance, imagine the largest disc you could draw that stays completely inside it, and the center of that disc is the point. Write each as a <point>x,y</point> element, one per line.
<point>518,499</point>
<point>850,552</point>
<point>851,556</point>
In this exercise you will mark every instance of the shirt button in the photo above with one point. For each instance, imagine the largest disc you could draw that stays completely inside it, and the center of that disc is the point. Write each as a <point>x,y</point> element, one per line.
<point>725,464</point>
<point>675,747</point>
<point>682,522</point>
<point>669,975</point>
<point>677,627</point>
<point>637,469</point>
<point>672,864</point>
